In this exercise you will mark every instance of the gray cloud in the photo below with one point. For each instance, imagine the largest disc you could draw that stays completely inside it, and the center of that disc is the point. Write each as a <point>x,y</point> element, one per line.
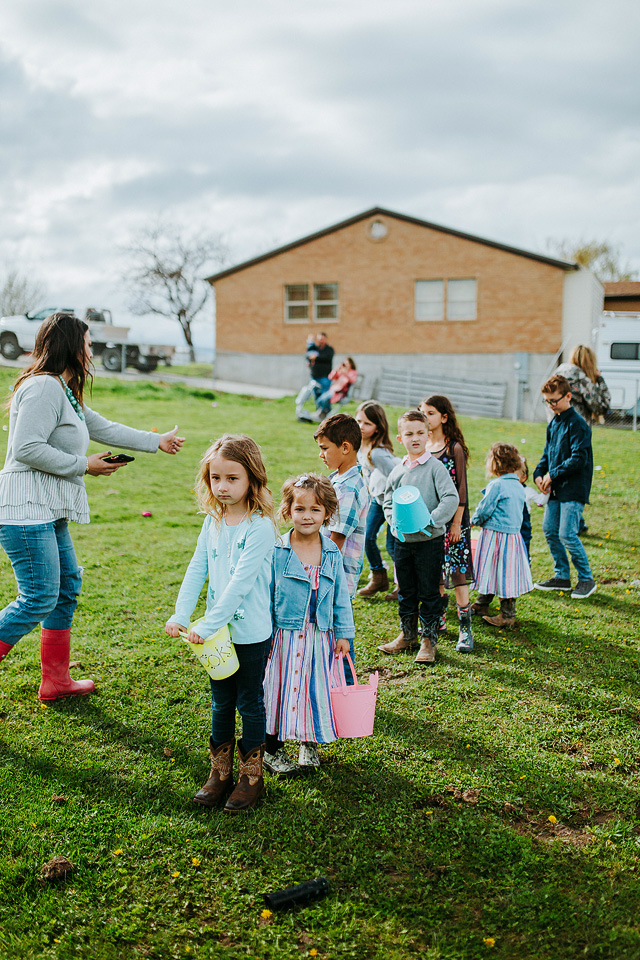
<point>517,121</point>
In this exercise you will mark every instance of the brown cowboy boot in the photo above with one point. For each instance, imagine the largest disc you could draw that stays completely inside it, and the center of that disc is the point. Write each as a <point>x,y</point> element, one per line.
<point>250,785</point>
<point>507,615</point>
<point>407,639</point>
<point>481,607</point>
<point>392,597</point>
<point>427,653</point>
<point>378,581</point>
<point>220,783</point>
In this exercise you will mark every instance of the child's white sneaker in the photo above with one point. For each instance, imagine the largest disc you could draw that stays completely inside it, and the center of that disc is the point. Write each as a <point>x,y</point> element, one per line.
<point>308,755</point>
<point>279,764</point>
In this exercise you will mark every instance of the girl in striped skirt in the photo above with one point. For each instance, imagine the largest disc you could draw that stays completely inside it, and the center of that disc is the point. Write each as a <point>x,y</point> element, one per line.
<point>501,564</point>
<point>312,624</point>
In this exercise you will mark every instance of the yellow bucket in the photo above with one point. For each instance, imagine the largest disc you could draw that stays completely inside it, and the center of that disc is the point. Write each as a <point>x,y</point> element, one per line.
<point>217,654</point>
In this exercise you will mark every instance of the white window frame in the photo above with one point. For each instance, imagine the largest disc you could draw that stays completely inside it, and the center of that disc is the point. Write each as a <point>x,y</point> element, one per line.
<point>326,303</point>
<point>296,303</point>
<point>468,305</point>
<point>440,304</point>
<point>421,304</point>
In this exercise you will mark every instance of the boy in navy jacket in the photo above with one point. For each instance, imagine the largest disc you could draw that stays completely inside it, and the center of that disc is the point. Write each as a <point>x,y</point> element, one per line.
<point>565,472</point>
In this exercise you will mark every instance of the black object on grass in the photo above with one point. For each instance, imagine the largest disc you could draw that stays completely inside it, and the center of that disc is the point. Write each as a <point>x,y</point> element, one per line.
<point>300,894</point>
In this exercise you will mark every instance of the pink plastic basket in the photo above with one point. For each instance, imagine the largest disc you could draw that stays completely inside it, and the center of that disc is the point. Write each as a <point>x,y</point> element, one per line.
<point>354,708</point>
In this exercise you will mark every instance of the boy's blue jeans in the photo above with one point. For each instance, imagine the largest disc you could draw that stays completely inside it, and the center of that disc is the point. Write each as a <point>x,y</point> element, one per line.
<point>244,690</point>
<point>375,519</point>
<point>48,577</point>
<point>418,569</point>
<point>560,526</point>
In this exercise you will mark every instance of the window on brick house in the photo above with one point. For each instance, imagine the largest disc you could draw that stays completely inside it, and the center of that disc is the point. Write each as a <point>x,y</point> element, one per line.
<point>450,299</point>
<point>296,302</point>
<point>325,302</point>
<point>461,299</point>
<point>429,300</point>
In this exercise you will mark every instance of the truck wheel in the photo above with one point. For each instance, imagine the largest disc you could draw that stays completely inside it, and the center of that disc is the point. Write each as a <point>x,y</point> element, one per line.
<point>9,346</point>
<point>112,360</point>
<point>148,365</point>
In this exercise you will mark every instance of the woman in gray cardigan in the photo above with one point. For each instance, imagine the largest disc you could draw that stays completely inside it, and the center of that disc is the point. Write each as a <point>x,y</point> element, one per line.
<point>42,488</point>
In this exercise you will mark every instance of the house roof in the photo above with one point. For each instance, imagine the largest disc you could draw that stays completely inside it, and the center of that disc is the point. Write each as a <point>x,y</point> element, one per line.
<point>380,211</point>
<point>625,289</point>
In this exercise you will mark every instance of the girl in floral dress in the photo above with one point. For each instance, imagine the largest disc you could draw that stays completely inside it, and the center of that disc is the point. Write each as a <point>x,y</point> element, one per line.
<point>446,442</point>
<point>310,609</point>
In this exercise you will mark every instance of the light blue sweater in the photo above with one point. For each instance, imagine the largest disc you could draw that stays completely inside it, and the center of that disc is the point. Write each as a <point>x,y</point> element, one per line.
<point>237,561</point>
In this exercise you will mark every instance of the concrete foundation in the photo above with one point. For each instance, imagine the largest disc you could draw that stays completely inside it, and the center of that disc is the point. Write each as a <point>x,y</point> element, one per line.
<point>523,373</point>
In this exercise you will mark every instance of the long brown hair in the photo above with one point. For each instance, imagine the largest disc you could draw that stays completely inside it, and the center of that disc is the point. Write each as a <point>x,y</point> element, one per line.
<point>585,358</point>
<point>375,413</point>
<point>60,346</point>
<point>450,426</point>
<point>245,451</point>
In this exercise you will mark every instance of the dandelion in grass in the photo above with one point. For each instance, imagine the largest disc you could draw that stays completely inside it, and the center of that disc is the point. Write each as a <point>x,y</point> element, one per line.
<point>117,852</point>
<point>489,941</point>
<point>552,819</point>
<point>616,760</point>
<point>266,914</point>
<point>175,874</point>
<point>313,953</point>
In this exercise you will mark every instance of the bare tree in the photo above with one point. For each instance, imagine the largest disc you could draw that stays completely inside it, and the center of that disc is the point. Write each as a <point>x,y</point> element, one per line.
<point>20,294</point>
<point>603,259</point>
<point>165,272</point>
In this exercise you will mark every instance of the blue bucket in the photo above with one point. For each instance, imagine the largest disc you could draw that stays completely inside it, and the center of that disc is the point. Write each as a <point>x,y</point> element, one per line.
<point>410,514</point>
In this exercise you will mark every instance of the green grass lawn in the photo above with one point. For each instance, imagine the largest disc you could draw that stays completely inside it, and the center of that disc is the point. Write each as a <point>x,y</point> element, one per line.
<point>495,813</point>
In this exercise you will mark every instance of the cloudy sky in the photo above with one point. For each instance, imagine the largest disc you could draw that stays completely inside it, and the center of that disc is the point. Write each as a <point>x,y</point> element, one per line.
<point>265,120</point>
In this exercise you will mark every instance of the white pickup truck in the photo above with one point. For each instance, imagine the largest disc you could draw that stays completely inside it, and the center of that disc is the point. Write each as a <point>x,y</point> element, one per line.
<point>110,343</point>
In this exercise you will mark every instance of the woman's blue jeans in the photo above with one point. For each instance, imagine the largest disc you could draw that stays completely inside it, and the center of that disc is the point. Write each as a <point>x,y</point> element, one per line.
<point>560,526</point>
<point>48,578</point>
<point>375,519</point>
<point>244,690</point>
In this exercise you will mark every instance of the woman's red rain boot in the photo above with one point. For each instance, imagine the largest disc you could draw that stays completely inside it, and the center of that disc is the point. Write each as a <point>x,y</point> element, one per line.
<point>54,655</point>
<point>5,648</point>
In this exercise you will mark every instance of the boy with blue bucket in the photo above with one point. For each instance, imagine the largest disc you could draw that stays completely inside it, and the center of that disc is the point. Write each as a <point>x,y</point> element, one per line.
<point>419,556</point>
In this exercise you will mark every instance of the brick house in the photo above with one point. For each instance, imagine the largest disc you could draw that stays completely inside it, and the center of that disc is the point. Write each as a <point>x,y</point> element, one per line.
<point>399,292</point>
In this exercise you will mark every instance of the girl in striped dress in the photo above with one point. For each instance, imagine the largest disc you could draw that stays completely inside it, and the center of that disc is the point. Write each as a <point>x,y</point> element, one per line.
<point>310,609</point>
<point>501,564</point>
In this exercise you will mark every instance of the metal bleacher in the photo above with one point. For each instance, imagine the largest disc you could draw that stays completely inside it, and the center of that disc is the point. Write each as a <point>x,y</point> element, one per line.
<point>406,388</point>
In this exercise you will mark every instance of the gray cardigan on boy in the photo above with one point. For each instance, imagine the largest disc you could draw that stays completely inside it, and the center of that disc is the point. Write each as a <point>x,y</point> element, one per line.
<point>438,492</point>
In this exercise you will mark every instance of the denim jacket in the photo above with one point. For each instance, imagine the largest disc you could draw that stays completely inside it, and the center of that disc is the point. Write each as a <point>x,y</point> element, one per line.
<point>502,505</point>
<point>291,591</point>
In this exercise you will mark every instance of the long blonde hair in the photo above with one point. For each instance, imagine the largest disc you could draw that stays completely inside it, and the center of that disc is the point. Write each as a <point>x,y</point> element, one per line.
<point>585,358</point>
<point>245,451</point>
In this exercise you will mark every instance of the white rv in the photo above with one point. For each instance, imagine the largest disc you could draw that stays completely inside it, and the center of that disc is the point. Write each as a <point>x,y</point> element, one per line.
<point>617,347</point>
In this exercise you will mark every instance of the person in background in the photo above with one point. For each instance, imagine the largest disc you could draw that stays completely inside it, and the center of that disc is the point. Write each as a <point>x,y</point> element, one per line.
<point>446,443</point>
<point>339,440</point>
<point>342,379</point>
<point>376,460</point>
<point>420,556</point>
<point>320,358</point>
<point>590,395</point>
<point>501,562</point>
<point>565,472</point>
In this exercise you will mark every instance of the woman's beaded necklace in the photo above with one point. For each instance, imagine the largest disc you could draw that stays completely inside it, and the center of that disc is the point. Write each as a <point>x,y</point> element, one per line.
<point>72,400</point>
